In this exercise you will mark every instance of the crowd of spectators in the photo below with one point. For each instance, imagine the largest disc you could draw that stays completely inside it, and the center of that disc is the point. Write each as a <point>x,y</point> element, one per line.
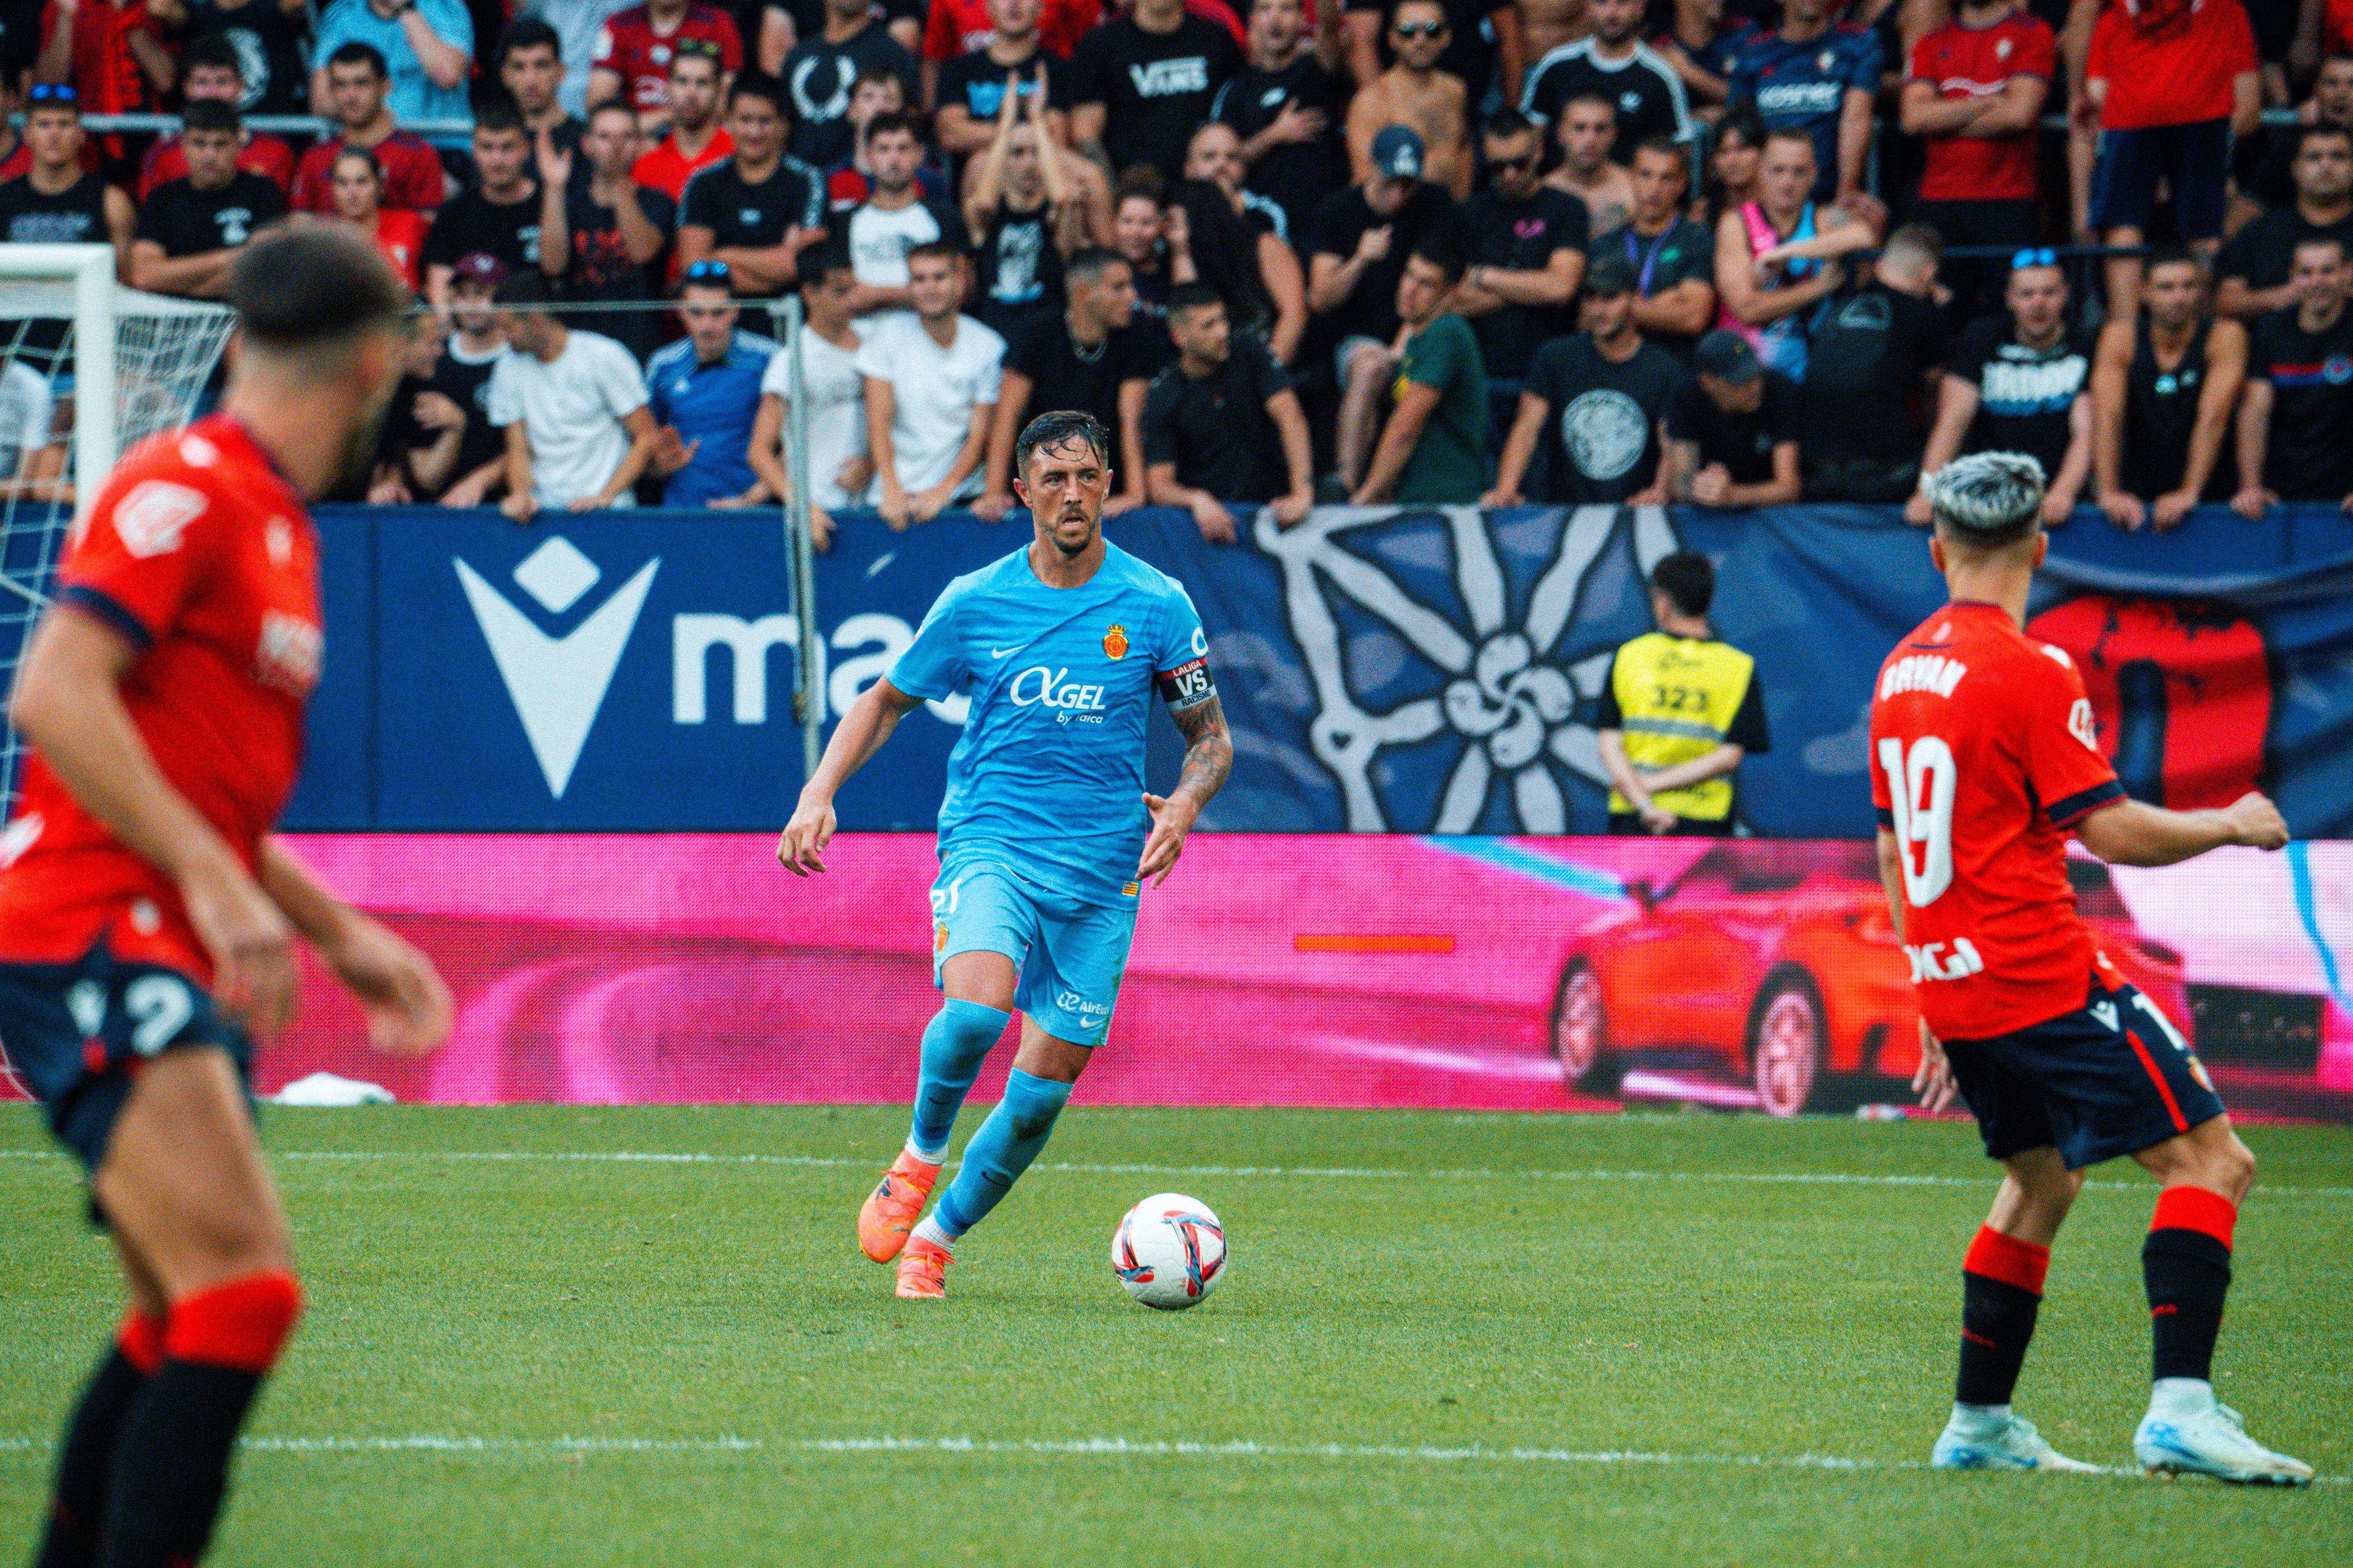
<point>1727,253</point>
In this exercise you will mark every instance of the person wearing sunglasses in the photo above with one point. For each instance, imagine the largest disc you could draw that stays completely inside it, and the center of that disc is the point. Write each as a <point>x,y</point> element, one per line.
<point>1526,246</point>
<point>1416,91</point>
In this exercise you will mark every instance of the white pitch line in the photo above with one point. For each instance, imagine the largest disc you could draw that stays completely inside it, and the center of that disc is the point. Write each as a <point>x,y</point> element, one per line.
<point>1323,1173</point>
<point>1068,1448</point>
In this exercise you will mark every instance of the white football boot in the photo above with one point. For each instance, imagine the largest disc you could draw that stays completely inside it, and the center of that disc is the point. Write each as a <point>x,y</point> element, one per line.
<point>2187,1432</point>
<point>1989,1438</point>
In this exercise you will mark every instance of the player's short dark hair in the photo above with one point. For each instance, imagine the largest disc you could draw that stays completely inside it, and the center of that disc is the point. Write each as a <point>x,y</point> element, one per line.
<point>1505,123</point>
<point>1987,499</point>
<point>356,53</point>
<point>211,115</point>
<point>1443,254</point>
<point>497,113</point>
<point>767,88</point>
<point>525,288</point>
<point>211,49</point>
<point>1666,147</point>
<point>1192,297</point>
<point>1059,428</point>
<point>938,247</point>
<point>1687,579</point>
<point>307,284</point>
<point>895,120</point>
<point>530,31</point>
<point>1087,263</point>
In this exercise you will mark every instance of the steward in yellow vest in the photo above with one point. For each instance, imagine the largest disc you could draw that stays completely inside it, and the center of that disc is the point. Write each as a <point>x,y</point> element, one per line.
<point>1679,712</point>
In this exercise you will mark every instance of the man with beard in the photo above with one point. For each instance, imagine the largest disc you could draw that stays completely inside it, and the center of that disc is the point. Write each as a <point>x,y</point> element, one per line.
<point>1526,246</point>
<point>1284,108</point>
<point>1091,358</point>
<point>696,139</point>
<point>2163,388</point>
<point>1606,392</point>
<point>1416,93</point>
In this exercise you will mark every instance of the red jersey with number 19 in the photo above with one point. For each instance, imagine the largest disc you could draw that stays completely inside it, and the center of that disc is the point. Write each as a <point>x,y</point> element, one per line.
<point>1983,752</point>
<point>201,554</point>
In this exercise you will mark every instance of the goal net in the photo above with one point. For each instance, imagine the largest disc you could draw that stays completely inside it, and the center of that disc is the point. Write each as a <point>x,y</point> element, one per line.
<point>87,369</point>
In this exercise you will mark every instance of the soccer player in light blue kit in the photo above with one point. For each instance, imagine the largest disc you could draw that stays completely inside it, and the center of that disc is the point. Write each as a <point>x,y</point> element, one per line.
<point>1047,834</point>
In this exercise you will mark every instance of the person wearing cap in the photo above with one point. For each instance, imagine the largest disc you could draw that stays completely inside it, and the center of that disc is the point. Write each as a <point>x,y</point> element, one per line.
<point>1603,395</point>
<point>1433,451</point>
<point>1419,92</point>
<point>462,374</point>
<point>1363,236</point>
<point>1680,711</point>
<point>1732,429</point>
<point>1526,243</point>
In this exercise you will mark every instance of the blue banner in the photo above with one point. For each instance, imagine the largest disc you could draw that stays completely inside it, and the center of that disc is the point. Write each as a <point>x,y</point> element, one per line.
<point>1406,671</point>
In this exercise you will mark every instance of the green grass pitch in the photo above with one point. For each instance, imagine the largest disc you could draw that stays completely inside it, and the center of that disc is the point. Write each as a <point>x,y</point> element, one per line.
<point>1481,1340</point>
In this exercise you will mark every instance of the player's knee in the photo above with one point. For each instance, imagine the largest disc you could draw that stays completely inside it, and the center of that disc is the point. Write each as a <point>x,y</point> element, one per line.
<point>240,1323</point>
<point>2231,1169</point>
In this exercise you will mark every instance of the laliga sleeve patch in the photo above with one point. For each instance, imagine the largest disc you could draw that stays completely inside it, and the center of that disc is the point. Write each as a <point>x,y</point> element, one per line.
<point>1186,684</point>
<point>152,519</point>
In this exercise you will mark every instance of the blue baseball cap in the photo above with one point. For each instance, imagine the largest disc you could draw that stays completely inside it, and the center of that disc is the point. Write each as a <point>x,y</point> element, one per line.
<point>1396,153</point>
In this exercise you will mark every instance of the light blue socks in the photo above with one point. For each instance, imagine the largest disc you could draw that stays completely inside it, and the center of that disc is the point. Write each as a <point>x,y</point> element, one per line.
<point>1011,1137</point>
<point>955,1042</point>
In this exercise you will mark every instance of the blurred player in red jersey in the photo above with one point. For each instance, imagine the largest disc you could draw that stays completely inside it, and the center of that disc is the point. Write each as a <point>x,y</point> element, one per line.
<point>146,914</point>
<point>1984,757</point>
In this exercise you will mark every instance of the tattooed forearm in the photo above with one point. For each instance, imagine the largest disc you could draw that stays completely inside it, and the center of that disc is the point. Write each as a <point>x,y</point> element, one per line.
<point>1208,750</point>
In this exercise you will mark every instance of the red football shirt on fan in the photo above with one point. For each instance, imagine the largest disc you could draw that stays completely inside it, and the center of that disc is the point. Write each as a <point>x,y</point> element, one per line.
<point>20,162</point>
<point>411,175</point>
<point>201,556</point>
<point>105,75</point>
<point>959,26</point>
<point>1979,62</point>
<point>1983,752</point>
<point>400,235</point>
<point>628,46</point>
<point>667,169</point>
<point>2168,62</point>
<point>269,156</point>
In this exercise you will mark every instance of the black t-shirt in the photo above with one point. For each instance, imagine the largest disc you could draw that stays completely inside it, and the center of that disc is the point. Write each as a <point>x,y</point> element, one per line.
<point>1470,49</point>
<point>601,268</point>
<point>186,221</point>
<point>1370,311</point>
<point>1295,176</point>
<point>1743,443</point>
<point>271,45</point>
<point>1643,89</point>
<point>1604,417</point>
<point>1660,261</point>
<point>748,217</point>
<point>977,82</point>
<point>467,384</point>
<point>2262,253</point>
<point>818,77</point>
<point>1866,377</point>
<point>1155,88</point>
<point>1215,429</point>
<point>1059,378</point>
<point>75,215</point>
<point>2310,453</point>
<point>470,221</point>
<point>1021,269</point>
<point>2023,395</point>
<point>1520,237</point>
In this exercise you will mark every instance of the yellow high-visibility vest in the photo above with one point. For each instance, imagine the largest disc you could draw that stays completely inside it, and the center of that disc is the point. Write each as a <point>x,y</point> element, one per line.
<point>1676,698</point>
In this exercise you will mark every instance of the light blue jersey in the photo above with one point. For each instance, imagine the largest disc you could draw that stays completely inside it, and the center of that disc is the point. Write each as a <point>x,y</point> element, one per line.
<point>1047,782</point>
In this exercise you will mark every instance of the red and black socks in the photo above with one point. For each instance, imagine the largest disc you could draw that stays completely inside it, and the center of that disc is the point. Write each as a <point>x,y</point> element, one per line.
<point>2186,1264</point>
<point>171,1464</point>
<point>2001,1292</point>
<point>86,1457</point>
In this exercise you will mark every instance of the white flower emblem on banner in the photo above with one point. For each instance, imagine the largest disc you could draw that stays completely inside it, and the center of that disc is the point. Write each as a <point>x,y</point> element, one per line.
<point>1514,709</point>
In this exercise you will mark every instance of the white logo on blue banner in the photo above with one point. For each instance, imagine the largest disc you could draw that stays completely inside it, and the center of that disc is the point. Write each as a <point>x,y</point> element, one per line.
<point>1517,711</point>
<point>557,683</point>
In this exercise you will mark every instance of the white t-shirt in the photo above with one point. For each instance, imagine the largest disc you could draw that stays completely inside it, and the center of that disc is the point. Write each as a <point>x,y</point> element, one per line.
<point>934,392</point>
<point>880,240</point>
<point>571,412</point>
<point>837,415</point>
<point>26,409</point>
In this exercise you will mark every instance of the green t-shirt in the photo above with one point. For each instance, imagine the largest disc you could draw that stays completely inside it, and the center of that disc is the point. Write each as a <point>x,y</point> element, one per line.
<point>1449,465</point>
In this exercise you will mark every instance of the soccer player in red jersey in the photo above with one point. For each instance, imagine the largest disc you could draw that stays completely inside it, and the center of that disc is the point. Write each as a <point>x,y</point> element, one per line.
<point>1984,758</point>
<point>147,915</point>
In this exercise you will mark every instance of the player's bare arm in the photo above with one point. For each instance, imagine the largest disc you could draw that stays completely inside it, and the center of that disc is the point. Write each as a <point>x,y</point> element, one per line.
<point>409,1006</point>
<point>69,706</point>
<point>1208,758</point>
<point>858,737</point>
<point>2131,833</point>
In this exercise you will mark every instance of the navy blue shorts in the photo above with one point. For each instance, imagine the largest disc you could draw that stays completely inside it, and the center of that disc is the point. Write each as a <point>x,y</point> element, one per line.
<point>78,1033</point>
<point>2194,161</point>
<point>2112,1077</point>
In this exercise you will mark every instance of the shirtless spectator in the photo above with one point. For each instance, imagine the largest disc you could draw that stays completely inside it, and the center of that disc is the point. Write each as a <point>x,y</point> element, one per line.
<point>1546,25</point>
<point>1484,52</point>
<point>1416,92</point>
<point>1588,126</point>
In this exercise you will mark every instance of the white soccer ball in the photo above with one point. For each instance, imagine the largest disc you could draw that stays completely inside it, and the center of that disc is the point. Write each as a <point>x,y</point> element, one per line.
<point>1169,1252</point>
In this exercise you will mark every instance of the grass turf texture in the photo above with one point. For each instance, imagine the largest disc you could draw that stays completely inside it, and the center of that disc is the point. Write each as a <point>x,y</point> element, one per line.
<point>1705,1315</point>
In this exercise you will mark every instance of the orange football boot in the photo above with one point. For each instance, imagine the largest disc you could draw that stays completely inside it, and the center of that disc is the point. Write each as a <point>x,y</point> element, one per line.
<point>922,1273</point>
<point>891,1210</point>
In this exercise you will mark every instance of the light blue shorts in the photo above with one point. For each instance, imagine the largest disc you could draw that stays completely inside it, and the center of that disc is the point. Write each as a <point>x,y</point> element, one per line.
<point>1070,955</point>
